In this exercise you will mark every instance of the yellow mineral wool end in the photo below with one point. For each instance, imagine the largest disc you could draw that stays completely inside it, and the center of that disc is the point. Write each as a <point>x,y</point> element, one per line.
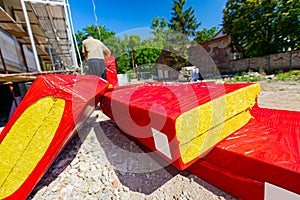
<point>110,86</point>
<point>207,119</point>
<point>207,140</point>
<point>27,141</point>
<point>195,122</point>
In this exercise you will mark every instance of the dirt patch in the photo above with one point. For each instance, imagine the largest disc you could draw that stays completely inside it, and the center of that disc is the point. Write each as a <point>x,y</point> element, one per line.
<point>280,95</point>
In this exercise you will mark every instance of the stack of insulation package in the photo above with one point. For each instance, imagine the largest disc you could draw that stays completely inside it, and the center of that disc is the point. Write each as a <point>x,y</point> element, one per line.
<point>215,131</point>
<point>51,113</point>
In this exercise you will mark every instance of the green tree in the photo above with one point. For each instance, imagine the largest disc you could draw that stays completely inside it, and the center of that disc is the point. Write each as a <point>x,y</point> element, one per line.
<point>159,23</point>
<point>134,54</point>
<point>159,29</point>
<point>123,63</point>
<point>133,43</point>
<point>205,35</point>
<point>129,52</point>
<point>262,27</point>
<point>147,55</point>
<point>184,24</point>
<point>182,20</point>
<point>99,32</point>
<point>119,49</point>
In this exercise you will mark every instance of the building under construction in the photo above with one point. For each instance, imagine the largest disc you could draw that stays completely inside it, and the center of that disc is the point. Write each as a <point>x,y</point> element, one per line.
<point>36,36</point>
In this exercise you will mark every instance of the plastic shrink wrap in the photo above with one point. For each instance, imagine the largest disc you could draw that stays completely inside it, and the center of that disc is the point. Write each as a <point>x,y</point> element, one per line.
<point>111,70</point>
<point>180,122</point>
<point>54,108</point>
<point>265,150</point>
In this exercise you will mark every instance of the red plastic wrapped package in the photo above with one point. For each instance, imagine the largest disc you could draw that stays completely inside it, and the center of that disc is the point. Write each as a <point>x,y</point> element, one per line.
<point>180,122</point>
<point>266,150</point>
<point>111,70</point>
<point>53,110</point>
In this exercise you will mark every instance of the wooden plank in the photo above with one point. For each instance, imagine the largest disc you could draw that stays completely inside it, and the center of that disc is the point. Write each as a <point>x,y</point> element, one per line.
<point>17,79</point>
<point>30,76</point>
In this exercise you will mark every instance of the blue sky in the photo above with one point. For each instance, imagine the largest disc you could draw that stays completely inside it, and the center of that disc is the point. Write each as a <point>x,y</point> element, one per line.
<point>120,16</point>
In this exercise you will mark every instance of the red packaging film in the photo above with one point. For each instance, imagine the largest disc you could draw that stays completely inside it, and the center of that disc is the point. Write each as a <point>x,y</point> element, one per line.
<point>265,150</point>
<point>51,113</point>
<point>215,131</point>
<point>180,122</point>
<point>111,70</point>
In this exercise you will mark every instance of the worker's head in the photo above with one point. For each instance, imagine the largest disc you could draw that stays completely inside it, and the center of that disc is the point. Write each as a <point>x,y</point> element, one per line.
<point>87,35</point>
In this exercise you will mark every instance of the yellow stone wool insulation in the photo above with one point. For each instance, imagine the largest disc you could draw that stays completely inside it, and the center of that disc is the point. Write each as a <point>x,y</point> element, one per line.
<point>202,127</point>
<point>207,140</point>
<point>27,141</point>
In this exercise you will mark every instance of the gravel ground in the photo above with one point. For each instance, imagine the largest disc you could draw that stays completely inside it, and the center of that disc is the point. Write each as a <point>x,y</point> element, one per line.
<point>101,163</point>
<point>280,95</point>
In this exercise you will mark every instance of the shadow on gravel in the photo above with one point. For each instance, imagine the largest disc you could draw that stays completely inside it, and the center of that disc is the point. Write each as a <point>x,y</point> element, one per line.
<point>137,167</point>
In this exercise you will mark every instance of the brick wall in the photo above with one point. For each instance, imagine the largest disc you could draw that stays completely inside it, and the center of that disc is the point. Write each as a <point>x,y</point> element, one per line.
<point>274,62</point>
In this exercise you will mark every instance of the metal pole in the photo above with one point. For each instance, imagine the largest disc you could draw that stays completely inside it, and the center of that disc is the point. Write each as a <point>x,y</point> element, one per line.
<point>72,26</point>
<point>38,66</point>
<point>50,53</point>
<point>24,57</point>
<point>70,36</point>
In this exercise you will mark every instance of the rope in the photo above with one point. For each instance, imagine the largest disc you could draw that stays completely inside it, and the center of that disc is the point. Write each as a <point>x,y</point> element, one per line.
<point>96,19</point>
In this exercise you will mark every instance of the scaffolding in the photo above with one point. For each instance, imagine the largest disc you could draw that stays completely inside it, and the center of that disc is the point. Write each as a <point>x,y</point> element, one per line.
<point>45,27</point>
